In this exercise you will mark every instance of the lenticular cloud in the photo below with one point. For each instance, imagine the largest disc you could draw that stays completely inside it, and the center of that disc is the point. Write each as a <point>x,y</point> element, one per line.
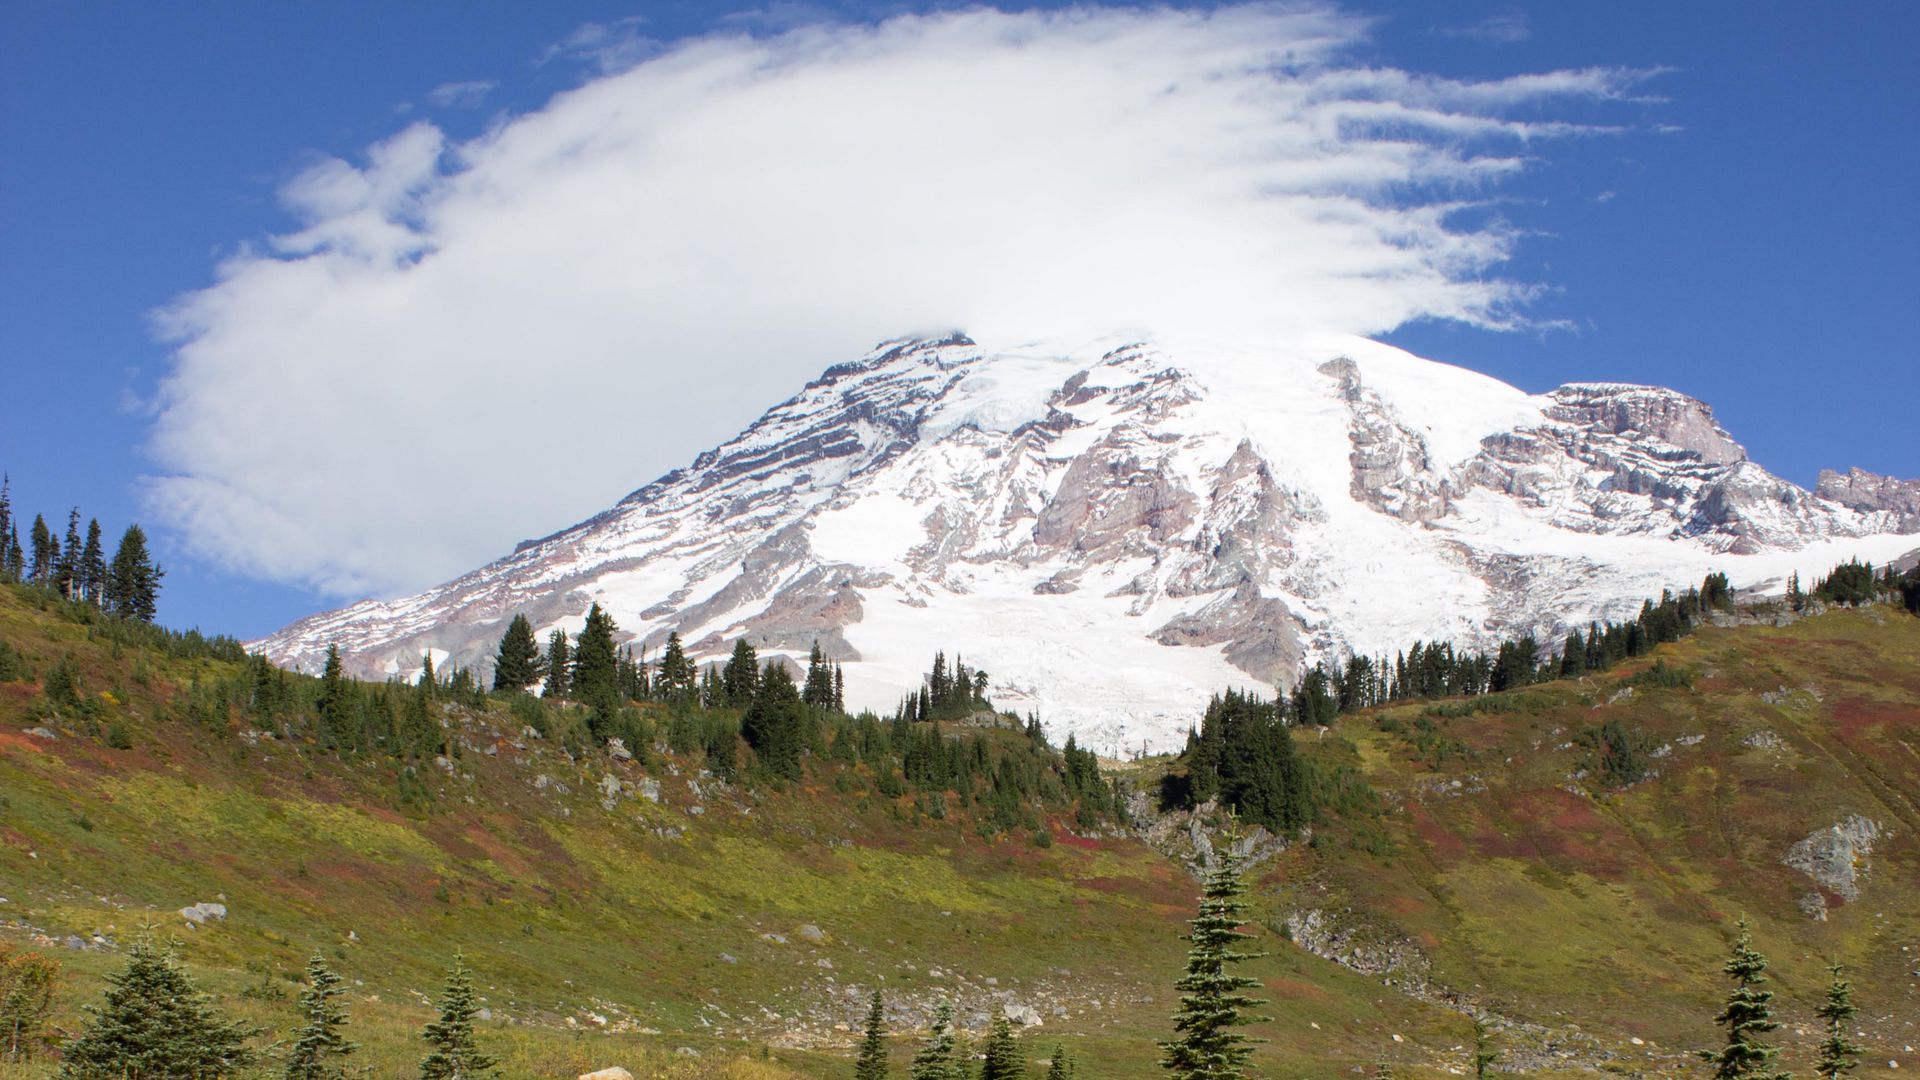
<point>456,345</point>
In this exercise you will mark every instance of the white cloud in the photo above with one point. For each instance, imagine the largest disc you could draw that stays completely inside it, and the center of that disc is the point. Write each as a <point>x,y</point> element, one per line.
<point>460,95</point>
<point>1502,28</point>
<point>464,344</point>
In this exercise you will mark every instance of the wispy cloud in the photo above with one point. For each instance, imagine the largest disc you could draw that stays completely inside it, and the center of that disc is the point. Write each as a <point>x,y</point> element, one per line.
<point>460,95</point>
<point>462,344</point>
<point>607,46</point>
<point>1508,27</point>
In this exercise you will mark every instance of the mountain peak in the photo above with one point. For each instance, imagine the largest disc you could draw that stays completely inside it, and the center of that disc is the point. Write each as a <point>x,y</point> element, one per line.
<point>1115,532</point>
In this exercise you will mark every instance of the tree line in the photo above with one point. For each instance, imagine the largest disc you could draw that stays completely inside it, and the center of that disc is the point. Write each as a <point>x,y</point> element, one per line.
<point>1854,583</point>
<point>78,570</point>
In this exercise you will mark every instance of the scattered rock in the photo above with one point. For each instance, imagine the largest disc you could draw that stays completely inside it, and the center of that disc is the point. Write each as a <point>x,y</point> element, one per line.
<point>1764,740</point>
<point>617,749</point>
<point>649,789</point>
<point>812,933</point>
<point>1024,1015</point>
<point>686,1051</point>
<point>201,913</point>
<point>42,733</point>
<point>1836,857</point>
<point>614,1073</point>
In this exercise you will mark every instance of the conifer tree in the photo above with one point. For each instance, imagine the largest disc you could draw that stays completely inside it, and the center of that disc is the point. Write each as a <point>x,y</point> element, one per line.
<point>453,1054</point>
<point>66,569</point>
<point>596,671</point>
<point>1003,1058</point>
<point>818,689</point>
<point>1485,1056</point>
<point>839,689</point>
<point>46,551</point>
<point>93,565</point>
<point>677,677</point>
<point>13,558</point>
<point>133,580</point>
<point>1061,1067</point>
<point>7,530</point>
<point>774,722</point>
<point>559,667</point>
<point>1212,1002</point>
<point>1748,1014</point>
<point>872,1062</point>
<point>318,1046</point>
<point>517,663</point>
<point>332,705</point>
<point>1838,1054</point>
<point>155,1024</point>
<point>741,676</point>
<point>936,1058</point>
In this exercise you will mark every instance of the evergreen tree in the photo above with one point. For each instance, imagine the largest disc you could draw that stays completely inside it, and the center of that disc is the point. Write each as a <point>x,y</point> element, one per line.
<point>872,1062</point>
<point>7,530</point>
<point>677,677</point>
<point>133,580</point>
<point>453,1055</point>
<point>559,667</point>
<point>818,691</point>
<point>155,1024</point>
<point>517,664</point>
<point>46,551</point>
<point>596,675</point>
<point>14,558</point>
<point>1061,1067</point>
<point>840,686</point>
<point>1212,1002</point>
<point>774,722</point>
<point>1838,1054</point>
<point>741,676</point>
<point>936,1058</point>
<point>1485,1056</point>
<point>66,569</point>
<point>1748,1014</point>
<point>319,1045</point>
<point>332,706</point>
<point>93,565</point>
<point>1004,1061</point>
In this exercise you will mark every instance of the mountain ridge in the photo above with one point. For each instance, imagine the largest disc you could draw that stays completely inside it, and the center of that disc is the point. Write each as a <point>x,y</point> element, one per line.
<point>1195,518</point>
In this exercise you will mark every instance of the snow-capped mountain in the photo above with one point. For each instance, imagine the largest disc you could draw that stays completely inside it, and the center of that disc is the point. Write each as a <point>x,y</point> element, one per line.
<point>1114,534</point>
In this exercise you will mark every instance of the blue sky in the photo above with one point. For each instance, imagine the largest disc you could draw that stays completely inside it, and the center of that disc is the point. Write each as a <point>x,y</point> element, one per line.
<point>1748,237</point>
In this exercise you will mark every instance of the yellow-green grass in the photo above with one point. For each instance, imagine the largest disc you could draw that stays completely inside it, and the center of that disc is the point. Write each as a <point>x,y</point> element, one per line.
<point>1609,910</point>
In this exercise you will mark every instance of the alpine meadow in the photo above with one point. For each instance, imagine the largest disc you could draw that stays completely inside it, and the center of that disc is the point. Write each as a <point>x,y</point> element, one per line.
<point>1209,541</point>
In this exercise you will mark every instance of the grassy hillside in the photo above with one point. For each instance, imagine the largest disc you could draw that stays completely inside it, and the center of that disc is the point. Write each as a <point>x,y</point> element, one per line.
<point>676,925</point>
<point>744,925</point>
<point>1526,877</point>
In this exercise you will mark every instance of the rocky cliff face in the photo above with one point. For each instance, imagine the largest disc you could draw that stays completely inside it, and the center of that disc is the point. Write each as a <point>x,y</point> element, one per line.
<point>1113,534</point>
<point>1871,493</point>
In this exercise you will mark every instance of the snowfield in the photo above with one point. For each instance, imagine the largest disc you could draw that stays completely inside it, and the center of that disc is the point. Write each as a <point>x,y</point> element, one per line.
<point>1116,531</point>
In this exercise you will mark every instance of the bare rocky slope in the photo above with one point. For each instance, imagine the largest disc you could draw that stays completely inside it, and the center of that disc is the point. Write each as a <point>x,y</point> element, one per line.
<point>1117,532</point>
